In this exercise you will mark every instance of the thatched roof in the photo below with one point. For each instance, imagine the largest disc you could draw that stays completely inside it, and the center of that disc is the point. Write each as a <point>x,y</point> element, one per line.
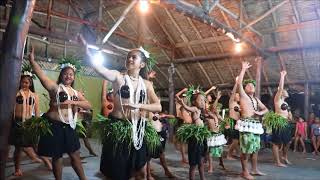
<point>189,34</point>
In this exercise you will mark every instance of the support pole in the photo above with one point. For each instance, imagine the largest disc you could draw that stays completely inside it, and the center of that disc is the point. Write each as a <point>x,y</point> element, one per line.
<point>258,77</point>
<point>171,89</point>
<point>306,101</point>
<point>10,67</point>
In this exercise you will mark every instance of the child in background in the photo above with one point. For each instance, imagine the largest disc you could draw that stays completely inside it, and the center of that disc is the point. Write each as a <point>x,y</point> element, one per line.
<point>315,135</point>
<point>300,134</point>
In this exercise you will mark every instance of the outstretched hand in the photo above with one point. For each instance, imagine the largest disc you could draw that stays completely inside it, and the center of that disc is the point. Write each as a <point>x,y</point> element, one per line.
<point>246,65</point>
<point>283,73</point>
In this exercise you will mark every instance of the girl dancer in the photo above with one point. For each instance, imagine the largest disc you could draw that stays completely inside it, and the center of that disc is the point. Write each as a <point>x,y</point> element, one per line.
<point>62,116</point>
<point>124,155</point>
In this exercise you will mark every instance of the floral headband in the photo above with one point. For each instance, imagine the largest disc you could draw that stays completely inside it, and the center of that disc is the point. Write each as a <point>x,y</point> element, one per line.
<point>70,62</point>
<point>27,70</point>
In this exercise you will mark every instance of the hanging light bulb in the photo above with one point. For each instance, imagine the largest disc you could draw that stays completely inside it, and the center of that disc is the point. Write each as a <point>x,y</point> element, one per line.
<point>238,47</point>
<point>144,6</point>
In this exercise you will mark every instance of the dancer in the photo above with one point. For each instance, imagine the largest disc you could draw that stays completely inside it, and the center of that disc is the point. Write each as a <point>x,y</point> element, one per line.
<point>217,139</point>
<point>300,134</point>
<point>281,135</point>
<point>106,99</point>
<point>183,117</point>
<point>27,105</point>
<point>234,114</point>
<point>62,116</point>
<point>195,134</point>
<point>160,123</point>
<point>249,125</point>
<point>122,156</point>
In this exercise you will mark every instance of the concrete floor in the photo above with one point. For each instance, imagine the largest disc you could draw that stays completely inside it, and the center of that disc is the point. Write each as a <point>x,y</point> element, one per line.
<point>305,166</point>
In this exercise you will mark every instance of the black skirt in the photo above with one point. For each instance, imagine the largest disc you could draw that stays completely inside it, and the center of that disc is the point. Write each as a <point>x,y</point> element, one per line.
<point>234,133</point>
<point>63,140</point>
<point>160,149</point>
<point>19,136</point>
<point>282,136</point>
<point>196,151</point>
<point>120,164</point>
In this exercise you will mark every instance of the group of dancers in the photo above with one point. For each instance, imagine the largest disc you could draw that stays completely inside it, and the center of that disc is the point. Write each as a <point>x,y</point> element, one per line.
<point>131,139</point>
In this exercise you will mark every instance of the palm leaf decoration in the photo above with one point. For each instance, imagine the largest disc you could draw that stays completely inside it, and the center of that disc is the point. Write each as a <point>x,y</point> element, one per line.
<point>226,122</point>
<point>274,121</point>
<point>36,127</point>
<point>80,129</point>
<point>173,122</point>
<point>188,132</point>
<point>247,81</point>
<point>75,61</point>
<point>193,90</point>
<point>26,67</point>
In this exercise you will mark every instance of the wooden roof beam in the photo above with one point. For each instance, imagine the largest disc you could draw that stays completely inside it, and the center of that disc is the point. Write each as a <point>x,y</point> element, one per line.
<point>198,14</point>
<point>203,41</point>
<point>293,27</point>
<point>265,14</point>
<point>236,17</point>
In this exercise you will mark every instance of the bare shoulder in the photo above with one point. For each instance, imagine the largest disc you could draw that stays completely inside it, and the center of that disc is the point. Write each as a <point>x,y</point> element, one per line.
<point>148,83</point>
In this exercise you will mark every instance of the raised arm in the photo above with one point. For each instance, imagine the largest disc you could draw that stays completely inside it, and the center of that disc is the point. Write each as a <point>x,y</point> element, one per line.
<point>215,103</point>
<point>245,66</point>
<point>233,92</point>
<point>209,90</point>
<point>47,83</point>
<point>104,91</point>
<point>181,92</point>
<point>281,85</point>
<point>186,107</point>
<point>110,75</point>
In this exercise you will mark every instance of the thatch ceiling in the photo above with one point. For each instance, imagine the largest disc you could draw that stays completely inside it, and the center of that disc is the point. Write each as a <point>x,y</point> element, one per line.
<point>287,31</point>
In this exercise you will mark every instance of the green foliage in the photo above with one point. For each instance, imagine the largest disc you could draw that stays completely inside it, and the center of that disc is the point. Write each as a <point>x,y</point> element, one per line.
<point>226,122</point>
<point>247,81</point>
<point>72,60</point>
<point>274,121</point>
<point>190,131</point>
<point>151,138</point>
<point>27,67</point>
<point>192,90</point>
<point>36,127</point>
<point>173,122</point>
<point>80,129</point>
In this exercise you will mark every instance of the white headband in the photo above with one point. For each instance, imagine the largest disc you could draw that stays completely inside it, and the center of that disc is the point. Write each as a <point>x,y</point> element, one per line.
<point>146,53</point>
<point>27,73</point>
<point>68,65</point>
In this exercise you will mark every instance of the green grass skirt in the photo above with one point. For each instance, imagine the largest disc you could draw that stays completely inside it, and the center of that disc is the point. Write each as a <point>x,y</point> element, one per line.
<point>189,132</point>
<point>249,143</point>
<point>216,151</point>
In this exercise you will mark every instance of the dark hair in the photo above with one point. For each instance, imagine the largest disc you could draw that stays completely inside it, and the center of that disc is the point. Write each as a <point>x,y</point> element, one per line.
<point>31,87</point>
<point>144,71</point>
<point>194,98</point>
<point>61,73</point>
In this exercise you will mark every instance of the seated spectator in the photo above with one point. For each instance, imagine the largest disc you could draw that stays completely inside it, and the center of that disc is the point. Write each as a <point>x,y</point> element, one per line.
<point>300,134</point>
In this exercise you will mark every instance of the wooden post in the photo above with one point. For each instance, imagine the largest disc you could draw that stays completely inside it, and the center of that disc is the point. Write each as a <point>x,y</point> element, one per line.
<point>171,90</point>
<point>306,101</point>
<point>258,77</point>
<point>10,67</point>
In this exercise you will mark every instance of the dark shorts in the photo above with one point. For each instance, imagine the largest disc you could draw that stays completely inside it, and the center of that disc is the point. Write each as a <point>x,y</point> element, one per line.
<point>282,136</point>
<point>19,136</point>
<point>120,164</point>
<point>196,151</point>
<point>64,140</point>
<point>235,134</point>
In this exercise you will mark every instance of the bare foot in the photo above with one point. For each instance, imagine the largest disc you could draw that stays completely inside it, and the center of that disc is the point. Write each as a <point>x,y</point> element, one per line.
<point>286,161</point>
<point>150,178</point>
<point>183,161</point>
<point>294,150</point>
<point>231,158</point>
<point>18,172</point>
<point>258,173</point>
<point>247,176</point>
<point>280,165</point>
<point>210,170</point>
<point>37,160</point>
<point>169,174</point>
<point>304,151</point>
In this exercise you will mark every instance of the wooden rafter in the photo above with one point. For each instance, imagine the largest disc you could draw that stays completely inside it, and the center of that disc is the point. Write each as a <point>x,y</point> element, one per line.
<point>296,19</point>
<point>185,39</point>
<point>265,14</point>
<point>236,17</point>
<point>203,41</point>
<point>293,27</point>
